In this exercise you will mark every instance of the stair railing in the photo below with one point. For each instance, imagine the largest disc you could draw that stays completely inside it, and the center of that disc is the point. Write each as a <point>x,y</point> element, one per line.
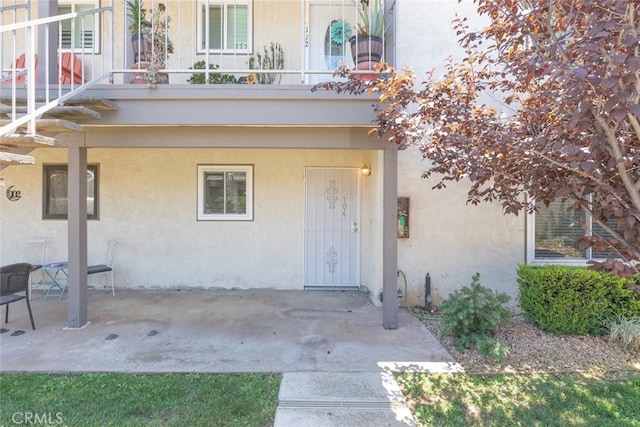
<point>25,107</point>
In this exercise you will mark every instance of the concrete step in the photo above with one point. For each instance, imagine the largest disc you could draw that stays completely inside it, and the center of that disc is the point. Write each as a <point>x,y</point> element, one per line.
<point>341,399</point>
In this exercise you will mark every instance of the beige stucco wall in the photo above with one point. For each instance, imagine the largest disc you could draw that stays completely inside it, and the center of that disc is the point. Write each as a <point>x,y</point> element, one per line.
<point>450,240</point>
<point>148,204</point>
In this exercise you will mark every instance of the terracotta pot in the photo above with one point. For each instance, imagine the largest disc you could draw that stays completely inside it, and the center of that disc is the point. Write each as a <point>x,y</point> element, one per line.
<point>368,66</point>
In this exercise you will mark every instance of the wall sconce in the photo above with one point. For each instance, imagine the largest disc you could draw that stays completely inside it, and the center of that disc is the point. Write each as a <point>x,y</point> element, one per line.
<point>366,170</point>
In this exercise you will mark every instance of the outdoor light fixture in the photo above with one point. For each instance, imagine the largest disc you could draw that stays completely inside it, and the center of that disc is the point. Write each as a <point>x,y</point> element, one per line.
<point>366,170</point>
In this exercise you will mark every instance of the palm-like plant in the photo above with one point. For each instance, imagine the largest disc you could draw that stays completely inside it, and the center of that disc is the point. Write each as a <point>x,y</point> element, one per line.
<point>371,14</point>
<point>137,15</point>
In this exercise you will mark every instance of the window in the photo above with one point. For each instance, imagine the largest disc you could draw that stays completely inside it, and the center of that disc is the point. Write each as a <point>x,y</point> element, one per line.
<point>55,180</point>
<point>225,192</point>
<point>229,26</point>
<point>82,36</point>
<point>553,231</point>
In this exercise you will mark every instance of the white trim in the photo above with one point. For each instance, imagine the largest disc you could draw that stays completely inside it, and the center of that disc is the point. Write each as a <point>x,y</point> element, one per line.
<point>531,247</point>
<point>248,216</point>
<point>96,35</point>
<point>200,30</point>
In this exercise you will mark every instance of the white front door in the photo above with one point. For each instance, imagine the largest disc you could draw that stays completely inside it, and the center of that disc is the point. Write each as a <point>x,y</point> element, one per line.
<point>332,227</point>
<point>323,53</point>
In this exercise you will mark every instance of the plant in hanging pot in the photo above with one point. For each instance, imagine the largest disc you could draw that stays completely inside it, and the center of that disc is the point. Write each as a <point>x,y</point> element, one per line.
<point>368,42</point>
<point>152,45</point>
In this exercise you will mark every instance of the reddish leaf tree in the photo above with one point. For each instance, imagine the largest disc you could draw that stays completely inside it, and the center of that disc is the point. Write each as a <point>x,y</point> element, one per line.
<point>565,78</point>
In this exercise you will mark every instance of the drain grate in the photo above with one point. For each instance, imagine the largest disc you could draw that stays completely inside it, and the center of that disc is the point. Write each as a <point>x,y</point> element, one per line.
<point>111,337</point>
<point>152,333</point>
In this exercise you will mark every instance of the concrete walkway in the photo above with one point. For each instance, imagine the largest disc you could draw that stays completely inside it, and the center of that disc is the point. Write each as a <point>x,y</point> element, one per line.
<point>326,399</point>
<point>336,357</point>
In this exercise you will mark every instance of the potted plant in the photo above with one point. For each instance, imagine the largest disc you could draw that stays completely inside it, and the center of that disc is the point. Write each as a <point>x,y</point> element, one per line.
<point>368,42</point>
<point>152,45</point>
<point>137,15</point>
<point>272,58</point>
<point>214,78</point>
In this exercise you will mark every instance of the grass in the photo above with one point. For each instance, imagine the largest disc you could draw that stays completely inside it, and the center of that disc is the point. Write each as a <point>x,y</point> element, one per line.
<point>117,399</point>
<point>523,400</point>
<point>120,399</point>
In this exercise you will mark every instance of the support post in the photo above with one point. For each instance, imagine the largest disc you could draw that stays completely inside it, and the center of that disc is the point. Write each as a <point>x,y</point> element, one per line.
<point>390,238</point>
<point>48,48</point>
<point>77,236</point>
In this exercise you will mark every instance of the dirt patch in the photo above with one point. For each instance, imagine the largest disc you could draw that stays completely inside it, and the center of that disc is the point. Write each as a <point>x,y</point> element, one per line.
<point>533,350</point>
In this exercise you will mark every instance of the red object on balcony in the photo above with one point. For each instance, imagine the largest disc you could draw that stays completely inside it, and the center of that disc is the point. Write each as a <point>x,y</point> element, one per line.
<point>71,69</point>
<point>20,66</point>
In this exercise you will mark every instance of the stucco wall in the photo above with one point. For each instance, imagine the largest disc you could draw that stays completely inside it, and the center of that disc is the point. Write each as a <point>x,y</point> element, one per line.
<point>450,240</point>
<point>425,36</point>
<point>148,204</point>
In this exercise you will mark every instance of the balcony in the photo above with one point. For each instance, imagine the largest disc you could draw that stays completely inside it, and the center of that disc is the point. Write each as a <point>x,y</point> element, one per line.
<point>231,41</point>
<point>266,46</point>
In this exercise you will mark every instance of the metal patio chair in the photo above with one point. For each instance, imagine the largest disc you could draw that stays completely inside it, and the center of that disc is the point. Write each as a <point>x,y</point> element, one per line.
<point>14,280</point>
<point>33,252</point>
<point>107,267</point>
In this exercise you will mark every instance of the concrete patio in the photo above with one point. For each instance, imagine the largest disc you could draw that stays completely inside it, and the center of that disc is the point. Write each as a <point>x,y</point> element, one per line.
<point>218,331</point>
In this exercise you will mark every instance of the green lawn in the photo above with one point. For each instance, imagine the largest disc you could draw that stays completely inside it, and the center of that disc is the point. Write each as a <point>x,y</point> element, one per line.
<point>116,399</point>
<point>523,399</point>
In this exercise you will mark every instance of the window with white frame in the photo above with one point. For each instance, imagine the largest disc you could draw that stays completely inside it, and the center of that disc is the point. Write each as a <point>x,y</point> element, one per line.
<point>78,33</point>
<point>226,24</point>
<point>552,233</point>
<point>225,192</point>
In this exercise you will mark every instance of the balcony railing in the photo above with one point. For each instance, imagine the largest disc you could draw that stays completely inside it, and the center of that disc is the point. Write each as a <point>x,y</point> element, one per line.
<point>183,42</point>
<point>269,41</point>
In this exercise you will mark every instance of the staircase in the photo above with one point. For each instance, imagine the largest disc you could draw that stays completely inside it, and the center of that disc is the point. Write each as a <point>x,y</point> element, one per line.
<point>66,117</point>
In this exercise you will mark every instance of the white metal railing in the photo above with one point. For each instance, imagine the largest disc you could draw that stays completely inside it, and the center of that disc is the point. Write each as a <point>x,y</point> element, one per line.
<point>30,41</point>
<point>193,41</point>
<point>236,37</point>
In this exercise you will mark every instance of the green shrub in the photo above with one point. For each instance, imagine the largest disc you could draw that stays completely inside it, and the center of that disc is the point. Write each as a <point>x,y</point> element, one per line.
<point>568,300</point>
<point>214,78</point>
<point>471,316</point>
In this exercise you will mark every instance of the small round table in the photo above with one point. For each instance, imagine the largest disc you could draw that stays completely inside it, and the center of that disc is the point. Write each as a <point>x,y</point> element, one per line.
<point>58,277</point>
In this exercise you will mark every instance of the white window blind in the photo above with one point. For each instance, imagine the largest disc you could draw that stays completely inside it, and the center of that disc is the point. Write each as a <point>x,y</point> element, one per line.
<point>83,36</point>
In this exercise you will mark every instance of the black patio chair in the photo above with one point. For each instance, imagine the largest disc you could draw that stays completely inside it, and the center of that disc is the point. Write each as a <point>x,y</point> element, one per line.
<point>14,279</point>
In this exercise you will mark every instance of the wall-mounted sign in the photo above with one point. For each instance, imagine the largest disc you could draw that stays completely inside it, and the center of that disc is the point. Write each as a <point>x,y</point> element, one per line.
<point>13,195</point>
<point>403,217</point>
